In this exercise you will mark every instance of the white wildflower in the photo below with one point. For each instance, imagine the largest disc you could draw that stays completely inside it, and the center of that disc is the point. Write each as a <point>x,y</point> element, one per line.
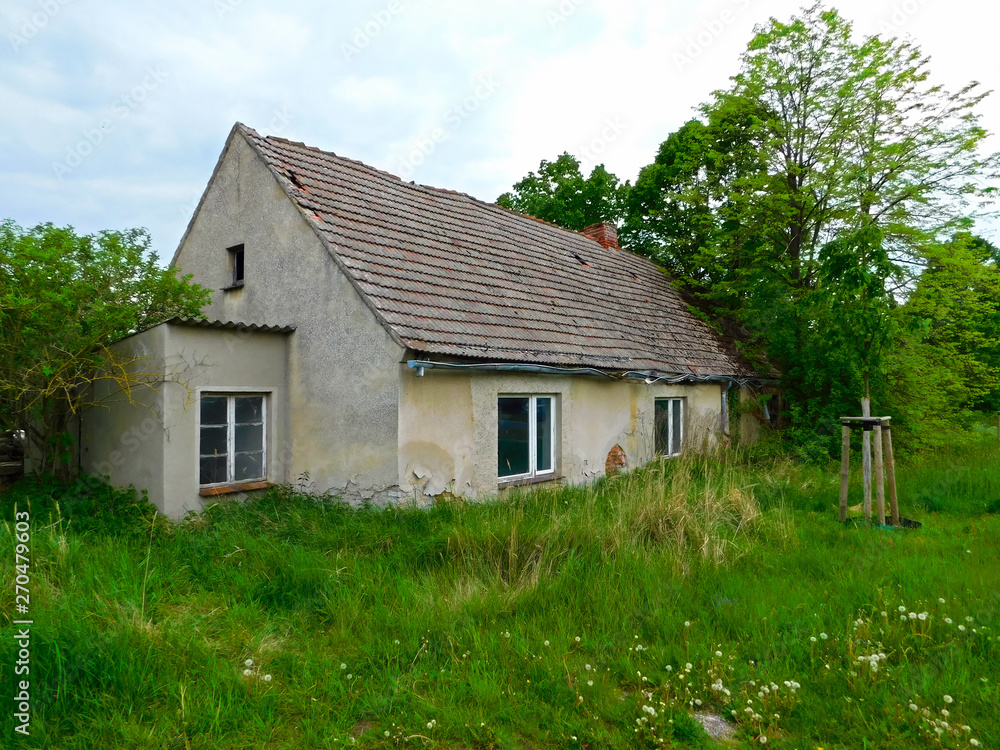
<point>949,699</point>
<point>267,678</point>
<point>248,663</point>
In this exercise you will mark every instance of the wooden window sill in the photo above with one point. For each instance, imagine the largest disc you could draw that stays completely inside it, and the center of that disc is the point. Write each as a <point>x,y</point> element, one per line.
<point>228,489</point>
<point>525,481</point>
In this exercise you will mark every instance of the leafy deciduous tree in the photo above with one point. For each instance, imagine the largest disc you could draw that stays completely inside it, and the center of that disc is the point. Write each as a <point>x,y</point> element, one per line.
<point>64,299</point>
<point>560,194</point>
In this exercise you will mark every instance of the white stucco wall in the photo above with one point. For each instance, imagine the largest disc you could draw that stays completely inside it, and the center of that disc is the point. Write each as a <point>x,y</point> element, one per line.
<point>343,384</point>
<point>448,425</point>
<point>152,443</point>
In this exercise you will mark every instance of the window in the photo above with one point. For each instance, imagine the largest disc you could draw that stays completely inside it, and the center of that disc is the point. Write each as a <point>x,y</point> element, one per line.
<point>668,425</point>
<point>526,445</point>
<point>236,264</point>
<point>231,442</point>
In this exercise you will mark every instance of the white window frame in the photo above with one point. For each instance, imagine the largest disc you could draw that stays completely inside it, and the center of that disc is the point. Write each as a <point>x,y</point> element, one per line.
<point>532,436</point>
<point>672,450</point>
<point>231,394</point>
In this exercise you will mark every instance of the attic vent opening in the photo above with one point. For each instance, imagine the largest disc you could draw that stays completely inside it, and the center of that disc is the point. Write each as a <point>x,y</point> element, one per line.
<point>582,261</point>
<point>236,265</point>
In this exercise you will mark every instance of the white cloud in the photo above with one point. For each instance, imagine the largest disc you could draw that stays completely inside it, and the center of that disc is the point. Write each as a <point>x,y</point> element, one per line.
<point>564,67</point>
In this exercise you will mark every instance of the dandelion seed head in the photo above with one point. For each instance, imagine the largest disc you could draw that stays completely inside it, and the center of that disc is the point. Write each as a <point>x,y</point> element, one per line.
<point>248,663</point>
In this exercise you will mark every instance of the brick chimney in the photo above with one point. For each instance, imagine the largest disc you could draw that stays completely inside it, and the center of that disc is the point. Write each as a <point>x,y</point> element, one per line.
<point>604,232</point>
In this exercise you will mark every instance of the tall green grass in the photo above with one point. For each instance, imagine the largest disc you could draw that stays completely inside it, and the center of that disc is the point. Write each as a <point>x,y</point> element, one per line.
<point>556,618</point>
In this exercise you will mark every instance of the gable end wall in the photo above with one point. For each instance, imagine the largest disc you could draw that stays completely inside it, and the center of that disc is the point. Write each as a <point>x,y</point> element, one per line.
<point>342,363</point>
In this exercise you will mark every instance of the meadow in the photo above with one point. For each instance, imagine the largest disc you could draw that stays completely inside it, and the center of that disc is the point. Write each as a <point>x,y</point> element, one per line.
<point>595,617</point>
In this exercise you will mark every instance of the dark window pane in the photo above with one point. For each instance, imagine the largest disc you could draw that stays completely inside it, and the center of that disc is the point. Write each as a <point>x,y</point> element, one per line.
<point>213,409</point>
<point>249,437</point>
<point>661,424</point>
<point>249,466</point>
<point>543,434</point>
<point>238,265</point>
<point>675,442</point>
<point>513,443</point>
<point>213,441</point>
<point>249,409</point>
<point>213,470</point>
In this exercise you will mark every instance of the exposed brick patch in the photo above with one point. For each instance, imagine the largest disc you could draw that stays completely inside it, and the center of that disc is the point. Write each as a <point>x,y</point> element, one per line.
<point>617,461</point>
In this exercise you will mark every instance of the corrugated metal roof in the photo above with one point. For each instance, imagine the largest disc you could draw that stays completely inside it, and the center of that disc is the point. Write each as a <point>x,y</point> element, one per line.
<point>229,325</point>
<point>452,275</point>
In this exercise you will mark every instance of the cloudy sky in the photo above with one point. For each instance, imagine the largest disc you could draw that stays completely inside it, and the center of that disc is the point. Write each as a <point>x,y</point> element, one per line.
<point>113,114</point>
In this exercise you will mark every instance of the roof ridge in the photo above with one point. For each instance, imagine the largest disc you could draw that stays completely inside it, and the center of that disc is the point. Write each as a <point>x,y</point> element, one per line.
<point>419,185</point>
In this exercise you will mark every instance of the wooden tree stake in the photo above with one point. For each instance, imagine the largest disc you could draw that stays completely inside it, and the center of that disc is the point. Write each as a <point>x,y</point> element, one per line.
<point>845,471</point>
<point>879,475</point>
<point>891,474</point>
<point>866,458</point>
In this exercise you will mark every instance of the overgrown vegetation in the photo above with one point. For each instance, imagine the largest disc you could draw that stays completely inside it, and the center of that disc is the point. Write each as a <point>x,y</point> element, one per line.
<point>64,299</point>
<point>598,617</point>
<point>820,210</point>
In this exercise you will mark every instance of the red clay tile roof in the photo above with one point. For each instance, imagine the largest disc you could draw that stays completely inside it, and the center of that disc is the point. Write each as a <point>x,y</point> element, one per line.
<point>452,275</point>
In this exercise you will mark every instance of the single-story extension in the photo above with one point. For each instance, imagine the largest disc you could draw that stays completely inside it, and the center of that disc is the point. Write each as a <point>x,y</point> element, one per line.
<point>388,341</point>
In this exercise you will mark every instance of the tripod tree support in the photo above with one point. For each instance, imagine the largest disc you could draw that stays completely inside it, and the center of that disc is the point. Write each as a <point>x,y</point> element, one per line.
<point>885,467</point>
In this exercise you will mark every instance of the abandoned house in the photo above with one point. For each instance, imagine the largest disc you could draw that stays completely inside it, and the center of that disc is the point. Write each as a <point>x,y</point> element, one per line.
<point>392,341</point>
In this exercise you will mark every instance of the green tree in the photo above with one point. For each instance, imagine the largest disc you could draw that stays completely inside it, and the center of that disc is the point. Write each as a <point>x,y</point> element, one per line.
<point>64,299</point>
<point>814,191</point>
<point>952,320</point>
<point>559,193</point>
